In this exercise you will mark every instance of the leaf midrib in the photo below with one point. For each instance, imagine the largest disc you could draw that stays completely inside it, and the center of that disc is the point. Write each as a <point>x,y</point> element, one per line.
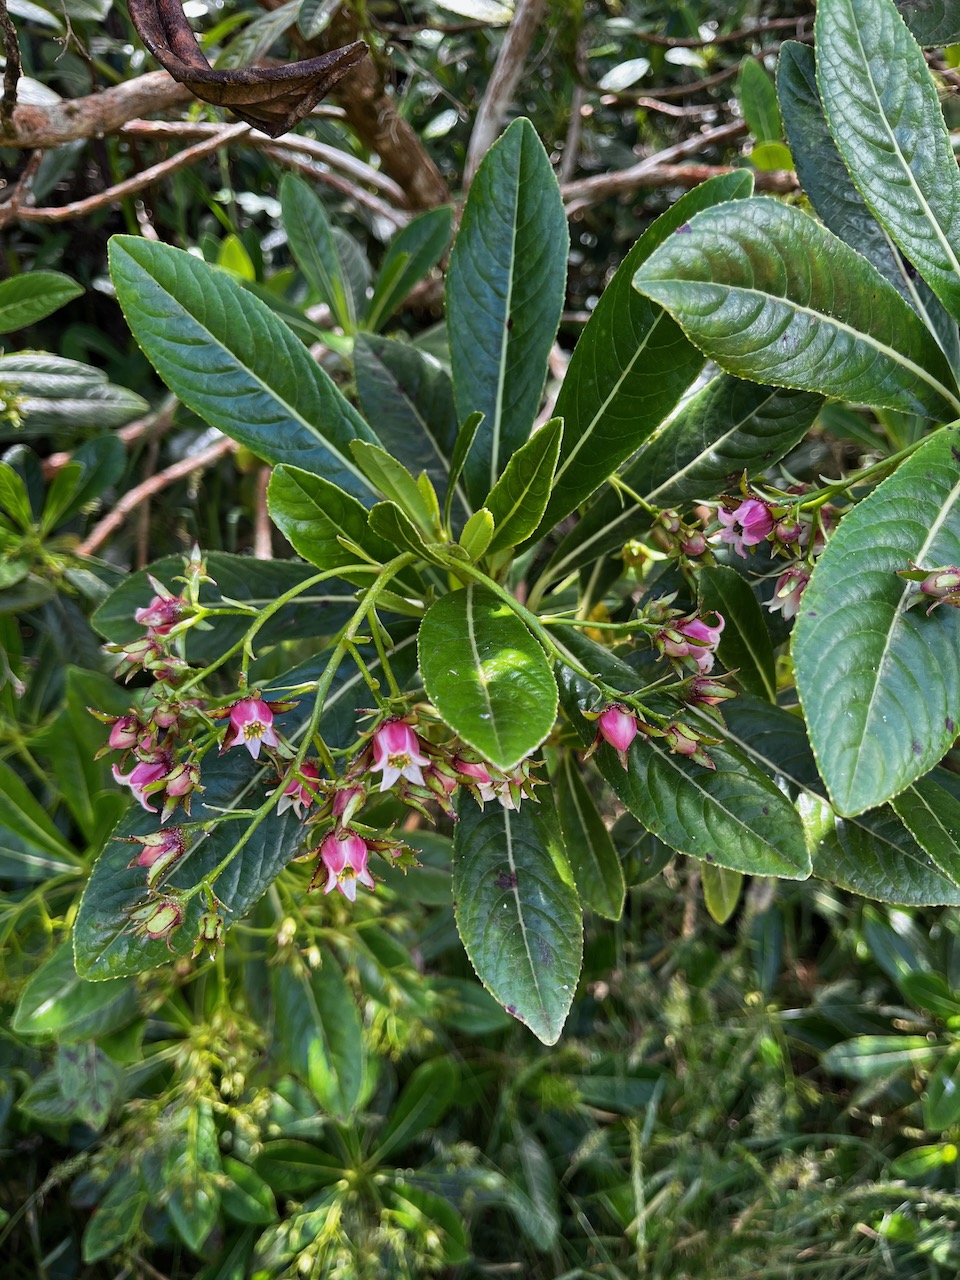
<point>504,331</point>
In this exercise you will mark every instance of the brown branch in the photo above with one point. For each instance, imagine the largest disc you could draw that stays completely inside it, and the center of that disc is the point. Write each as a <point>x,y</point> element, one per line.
<point>262,535</point>
<point>129,187</point>
<point>731,37</point>
<point>93,116</point>
<point>151,425</point>
<point>155,484</point>
<point>587,191</point>
<point>502,83</point>
<point>11,68</point>
<point>283,155</point>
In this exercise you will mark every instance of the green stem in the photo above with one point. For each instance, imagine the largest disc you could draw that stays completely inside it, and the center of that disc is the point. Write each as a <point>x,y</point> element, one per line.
<point>343,646</point>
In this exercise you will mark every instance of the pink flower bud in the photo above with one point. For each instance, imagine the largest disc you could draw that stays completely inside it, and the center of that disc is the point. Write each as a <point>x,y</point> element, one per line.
<point>157,918</point>
<point>788,591</point>
<point>161,614</point>
<point>142,778</point>
<point>125,733</point>
<point>347,803</point>
<point>787,530</point>
<point>695,544</point>
<point>300,792</point>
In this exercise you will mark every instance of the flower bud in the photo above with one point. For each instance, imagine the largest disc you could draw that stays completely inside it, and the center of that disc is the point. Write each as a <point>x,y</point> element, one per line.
<point>157,918</point>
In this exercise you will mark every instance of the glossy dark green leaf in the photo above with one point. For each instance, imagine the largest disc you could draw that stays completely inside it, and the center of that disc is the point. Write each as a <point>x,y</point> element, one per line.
<point>312,243</point>
<point>319,611</point>
<point>772,296</point>
<point>426,1097</point>
<point>54,394</point>
<point>412,252</point>
<point>56,1004</point>
<point>733,816</point>
<point>505,291</point>
<point>721,891</point>
<point>319,1032</point>
<point>410,398</point>
<point>896,146</point>
<point>518,500</point>
<point>192,1170</point>
<point>487,675</point>
<point>25,816</point>
<point>630,365</point>
<point>33,295</point>
<point>758,102</point>
<point>313,514</point>
<point>593,857</point>
<point>880,686</point>
<point>932,816</point>
<point>517,910</point>
<point>933,22</point>
<point>388,522</point>
<point>729,427</point>
<point>941,1102</point>
<point>745,645</point>
<point>875,855</point>
<point>466,436</point>
<point>233,362</point>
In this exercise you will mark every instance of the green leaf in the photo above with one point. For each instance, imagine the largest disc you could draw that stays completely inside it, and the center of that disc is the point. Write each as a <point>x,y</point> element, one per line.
<point>314,17</point>
<point>729,427</point>
<point>387,521</point>
<point>745,646</point>
<point>880,686</point>
<point>27,298</point>
<point>933,22</point>
<point>319,1033</point>
<point>517,910</point>
<point>630,365</point>
<point>941,1102</point>
<point>396,484</point>
<point>879,1057</point>
<point>758,102</point>
<point>768,157</point>
<point>486,675</point>
<point>733,816</point>
<point>115,1219</point>
<point>590,848</point>
<point>258,36</point>
<point>233,362</point>
<point>28,819</point>
<point>57,1004</point>
<point>14,499</point>
<point>192,1170</point>
<point>519,498</point>
<point>426,1097</point>
<point>505,291</point>
<point>59,395</point>
<point>409,395</point>
<point>245,1196</point>
<point>410,255</point>
<point>89,1081</point>
<point>772,296</point>
<point>477,534</point>
<point>896,147</point>
<point>312,243</point>
<point>932,816</point>
<point>313,514</point>
<point>463,444</point>
<point>418,1211</point>
<point>874,855</point>
<point>721,891</point>
<point>289,1166</point>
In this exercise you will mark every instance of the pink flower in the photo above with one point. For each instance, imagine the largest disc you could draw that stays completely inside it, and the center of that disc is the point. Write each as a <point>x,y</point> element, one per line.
<point>692,638</point>
<point>253,721</point>
<point>618,726</point>
<point>749,523</point>
<point>396,751</point>
<point>348,802</point>
<point>125,733</point>
<point>478,779</point>
<point>141,777</point>
<point>161,614</point>
<point>344,854</point>
<point>298,794</point>
<point>790,587</point>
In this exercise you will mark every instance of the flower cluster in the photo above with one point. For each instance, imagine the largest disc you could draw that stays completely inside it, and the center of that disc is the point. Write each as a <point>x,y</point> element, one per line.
<point>618,725</point>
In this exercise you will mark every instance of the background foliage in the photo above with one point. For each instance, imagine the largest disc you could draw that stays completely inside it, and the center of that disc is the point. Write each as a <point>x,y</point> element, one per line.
<point>755,1087</point>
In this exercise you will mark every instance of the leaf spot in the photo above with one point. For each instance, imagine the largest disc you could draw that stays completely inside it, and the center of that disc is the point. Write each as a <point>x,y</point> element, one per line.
<point>949,725</point>
<point>506,880</point>
<point>916,746</point>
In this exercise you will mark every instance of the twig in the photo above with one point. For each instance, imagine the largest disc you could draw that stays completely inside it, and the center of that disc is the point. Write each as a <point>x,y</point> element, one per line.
<point>587,191</point>
<point>80,208</point>
<point>11,69</point>
<point>152,425</point>
<point>502,83</point>
<point>332,156</point>
<point>102,530</point>
<point>21,191</point>
<point>262,539</point>
<point>731,37</point>
<point>97,114</point>
<point>152,453</point>
<point>282,154</point>
<point>571,143</point>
